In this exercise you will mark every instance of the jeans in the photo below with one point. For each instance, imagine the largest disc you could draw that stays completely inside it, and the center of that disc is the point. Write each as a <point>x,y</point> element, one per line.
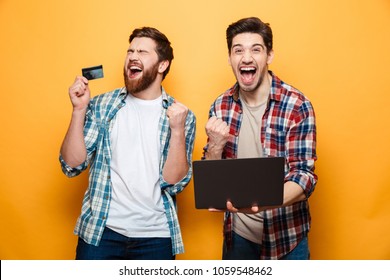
<point>115,246</point>
<point>243,249</point>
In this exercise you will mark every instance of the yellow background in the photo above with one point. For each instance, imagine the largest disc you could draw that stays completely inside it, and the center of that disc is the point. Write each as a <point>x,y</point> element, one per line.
<point>336,52</point>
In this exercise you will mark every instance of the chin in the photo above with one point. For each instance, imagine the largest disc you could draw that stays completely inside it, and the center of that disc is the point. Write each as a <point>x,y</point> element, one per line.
<point>247,88</point>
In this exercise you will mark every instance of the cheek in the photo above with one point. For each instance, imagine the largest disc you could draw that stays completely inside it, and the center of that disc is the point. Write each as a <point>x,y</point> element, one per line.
<point>233,62</point>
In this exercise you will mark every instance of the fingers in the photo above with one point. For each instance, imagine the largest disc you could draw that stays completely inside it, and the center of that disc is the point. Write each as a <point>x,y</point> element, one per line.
<point>177,107</point>
<point>255,209</point>
<point>218,134</point>
<point>230,207</point>
<point>217,125</point>
<point>81,78</point>
<point>79,93</point>
<point>216,210</point>
<point>252,210</point>
<point>177,114</point>
<point>79,87</point>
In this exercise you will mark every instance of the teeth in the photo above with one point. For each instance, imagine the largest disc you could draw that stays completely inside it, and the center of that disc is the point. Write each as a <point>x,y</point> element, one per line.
<point>135,68</point>
<point>247,69</point>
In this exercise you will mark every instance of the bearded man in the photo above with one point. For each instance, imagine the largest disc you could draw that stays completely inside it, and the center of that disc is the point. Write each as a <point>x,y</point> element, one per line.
<point>138,142</point>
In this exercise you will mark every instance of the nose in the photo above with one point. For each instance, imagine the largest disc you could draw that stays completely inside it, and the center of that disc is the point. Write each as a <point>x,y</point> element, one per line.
<point>247,56</point>
<point>132,56</point>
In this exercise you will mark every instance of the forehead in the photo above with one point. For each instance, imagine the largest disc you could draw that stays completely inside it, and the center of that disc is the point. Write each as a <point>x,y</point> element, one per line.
<point>143,43</point>
<point>247,40</point>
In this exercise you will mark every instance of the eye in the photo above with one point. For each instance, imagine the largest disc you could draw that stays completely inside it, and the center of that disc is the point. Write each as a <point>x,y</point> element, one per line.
<point>238,51</point>
<point>142,51</point>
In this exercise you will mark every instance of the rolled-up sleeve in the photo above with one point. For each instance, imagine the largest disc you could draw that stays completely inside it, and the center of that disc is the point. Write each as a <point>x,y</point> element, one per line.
<point>72,171</point>
<point>301,149</point>
<point>91,133</point>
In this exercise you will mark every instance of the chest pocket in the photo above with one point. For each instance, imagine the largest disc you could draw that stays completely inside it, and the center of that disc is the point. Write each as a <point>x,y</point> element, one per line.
<point>274,142</point>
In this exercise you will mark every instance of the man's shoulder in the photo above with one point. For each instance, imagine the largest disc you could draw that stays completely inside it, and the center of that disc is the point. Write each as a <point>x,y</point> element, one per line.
<point>109,95</point>
<point>226,95</point>
<point>285,92</point>
<point>108,98</point>
<point>106,102</point>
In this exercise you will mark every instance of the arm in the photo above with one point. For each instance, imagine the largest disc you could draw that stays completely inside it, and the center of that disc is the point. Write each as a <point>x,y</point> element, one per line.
<point>176,165</point>
<point>73,150</point>
<point>301,154</point>
<point>292,193</point>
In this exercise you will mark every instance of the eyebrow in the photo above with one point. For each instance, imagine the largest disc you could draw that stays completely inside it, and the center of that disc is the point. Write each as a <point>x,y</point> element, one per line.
<point>136,50</point>
<point>254,45</point>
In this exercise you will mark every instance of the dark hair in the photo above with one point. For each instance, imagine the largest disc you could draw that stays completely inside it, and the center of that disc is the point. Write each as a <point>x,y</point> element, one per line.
<point>251,25</point>
<point>163,49</point>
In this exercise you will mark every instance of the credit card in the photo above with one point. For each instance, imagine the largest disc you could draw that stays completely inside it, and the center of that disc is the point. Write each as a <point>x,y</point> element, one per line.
<point>91,73</point>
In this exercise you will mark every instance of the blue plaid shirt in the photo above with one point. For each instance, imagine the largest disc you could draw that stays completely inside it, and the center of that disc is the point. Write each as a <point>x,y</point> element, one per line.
<point>99,121</point>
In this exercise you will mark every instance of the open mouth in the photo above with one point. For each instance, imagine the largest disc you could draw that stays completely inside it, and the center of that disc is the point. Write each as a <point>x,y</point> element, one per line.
<point>134,71</point>
<point>247,74</point>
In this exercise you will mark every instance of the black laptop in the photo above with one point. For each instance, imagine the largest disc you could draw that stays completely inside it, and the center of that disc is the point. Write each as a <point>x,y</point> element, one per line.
<point>244,182</point>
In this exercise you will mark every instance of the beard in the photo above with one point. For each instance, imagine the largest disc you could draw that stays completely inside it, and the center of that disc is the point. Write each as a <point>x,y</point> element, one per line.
<point>142,83</point>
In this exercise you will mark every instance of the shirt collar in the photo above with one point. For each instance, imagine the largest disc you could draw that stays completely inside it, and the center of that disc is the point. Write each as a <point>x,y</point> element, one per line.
<point>165,100</point>
<point>276,88</point>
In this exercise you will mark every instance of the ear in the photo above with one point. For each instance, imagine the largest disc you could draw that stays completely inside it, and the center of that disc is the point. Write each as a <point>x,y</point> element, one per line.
<point>270,57</point>
<point>163,66</point>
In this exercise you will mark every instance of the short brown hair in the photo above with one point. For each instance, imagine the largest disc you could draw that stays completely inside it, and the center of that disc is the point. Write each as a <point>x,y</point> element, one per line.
<point>250,25</point>
<point>163,49</point>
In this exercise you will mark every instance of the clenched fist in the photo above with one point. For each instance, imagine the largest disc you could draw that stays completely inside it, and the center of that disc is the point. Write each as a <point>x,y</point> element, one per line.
<point>177,114</point>
<point>79,93</point>
<point>218,134</point>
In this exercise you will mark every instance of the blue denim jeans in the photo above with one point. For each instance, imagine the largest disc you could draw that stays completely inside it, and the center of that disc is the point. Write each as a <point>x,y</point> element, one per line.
<point>115,246</point>
<point>243,249</point>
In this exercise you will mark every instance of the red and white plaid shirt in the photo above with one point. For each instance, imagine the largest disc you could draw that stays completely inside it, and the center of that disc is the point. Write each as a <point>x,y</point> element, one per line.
<point>288,130</point>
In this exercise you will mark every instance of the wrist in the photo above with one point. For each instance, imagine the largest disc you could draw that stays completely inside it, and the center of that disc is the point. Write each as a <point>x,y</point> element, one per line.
<point>214,152</point>
<point>79,109</point>
<point>79,113</point>
<point>177,132</point>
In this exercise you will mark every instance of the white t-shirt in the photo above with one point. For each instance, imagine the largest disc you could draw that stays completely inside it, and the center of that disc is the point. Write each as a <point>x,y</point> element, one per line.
<point>136,207</point>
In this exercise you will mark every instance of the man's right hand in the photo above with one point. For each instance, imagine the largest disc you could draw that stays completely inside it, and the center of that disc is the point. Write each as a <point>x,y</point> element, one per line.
<point>73,148</point>
<point>218,133</point>
<point>79,93</point>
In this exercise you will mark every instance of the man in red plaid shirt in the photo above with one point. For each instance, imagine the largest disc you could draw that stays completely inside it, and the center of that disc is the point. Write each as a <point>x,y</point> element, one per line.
<point>261,116</point>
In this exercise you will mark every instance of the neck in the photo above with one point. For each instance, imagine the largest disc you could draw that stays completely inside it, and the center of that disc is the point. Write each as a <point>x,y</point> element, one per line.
<point>260,94</point>
<point>152,92</point>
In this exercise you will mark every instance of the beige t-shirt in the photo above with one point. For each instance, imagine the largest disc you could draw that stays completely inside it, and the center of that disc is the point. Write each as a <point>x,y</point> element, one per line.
<point>250,226</point>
